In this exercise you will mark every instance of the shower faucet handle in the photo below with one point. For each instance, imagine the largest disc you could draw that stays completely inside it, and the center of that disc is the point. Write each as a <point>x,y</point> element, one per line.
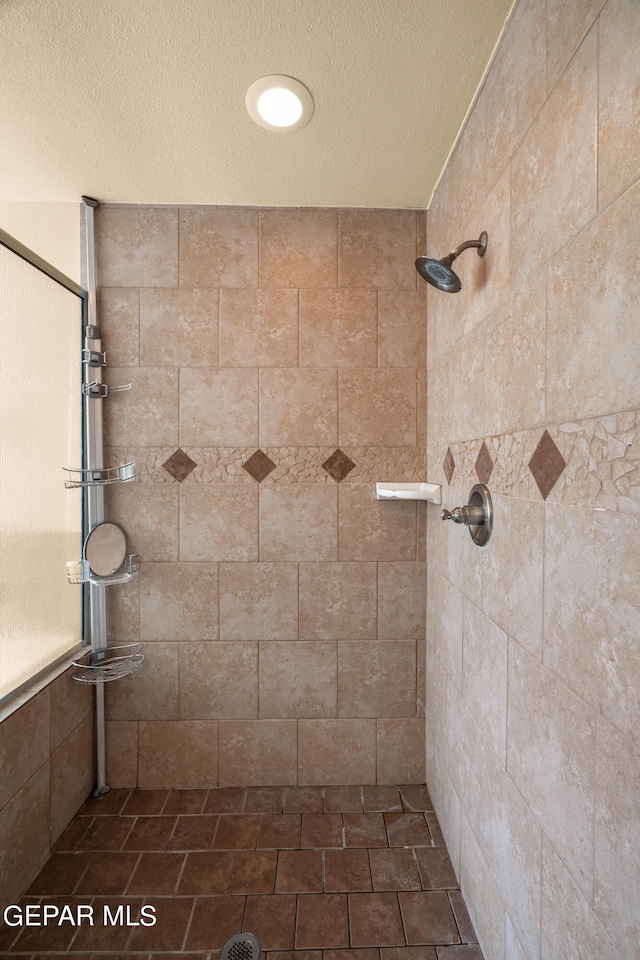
<point>477,515</point>
<point>469,515</point>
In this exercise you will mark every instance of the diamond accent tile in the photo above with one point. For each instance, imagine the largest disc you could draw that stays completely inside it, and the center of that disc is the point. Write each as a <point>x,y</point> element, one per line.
<point>546,465</point>
<point>179,465</point>
<point>484,464</point>
<point>449,465</point>
<point>338,465</point>
<point>259,465</point>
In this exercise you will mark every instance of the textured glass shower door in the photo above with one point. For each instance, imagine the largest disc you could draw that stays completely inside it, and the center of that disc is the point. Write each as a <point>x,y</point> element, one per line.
<point>40,432</point>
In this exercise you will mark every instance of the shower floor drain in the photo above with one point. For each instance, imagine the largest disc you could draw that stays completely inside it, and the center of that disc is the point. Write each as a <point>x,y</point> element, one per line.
<point>242,946</point>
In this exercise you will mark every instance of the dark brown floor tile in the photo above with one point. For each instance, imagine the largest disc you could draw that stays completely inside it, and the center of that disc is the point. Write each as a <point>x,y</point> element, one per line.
<point>193,833</point>
<point>434,829</point>
<point>343,800</point>
<point>364,830</point>
<point>428,917</point>
<point>322,921</point>
<point>407,830</point>
<point>157,873</point>
<point>321,830</point>
<point>465,926</point>
<point>109,805</point>
<point>463,951</point>
<point>172,920</point>
<point>364,953</point>
<point>271,920</point>
<point>304,800</point>
<point>225,800</point>
<point>214,920</point>
<point>205,874</point>
<point>264,800</point>
<point>75,831</point>
<point>236,832</point>
<point>415,797</point>
<point>185,801</point>
<point>299,871</point>
<point>279,831</point>
<point>409,953</point>
<point>51,937</point>
<point>294,955</point>
<point>174,956</point>
<point>381,800</point>
<point>435,868</point>
<point>106,833</point>
<point>375,921</point>
<point>394,869</point>
<point>150,833</point>
<point>252,872</point>
<point>346,871</point>
<point>145,803</point>
<point>107,874</point>
<point>104,936</point>
<point>60,874</point>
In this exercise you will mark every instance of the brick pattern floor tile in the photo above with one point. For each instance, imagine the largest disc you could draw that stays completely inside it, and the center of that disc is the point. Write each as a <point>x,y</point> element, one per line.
<point>315,873</point>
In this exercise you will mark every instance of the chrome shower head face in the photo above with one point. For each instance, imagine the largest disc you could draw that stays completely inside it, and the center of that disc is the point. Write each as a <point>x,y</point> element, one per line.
<point>439,274</point>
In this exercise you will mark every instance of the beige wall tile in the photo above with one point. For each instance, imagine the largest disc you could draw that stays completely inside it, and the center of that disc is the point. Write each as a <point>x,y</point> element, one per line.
<point>298,407</point>
<point>179,601</point>
<point>146,415</point>
<point>377,249</point>
<point>298,248</point>
<point>70,704</point>
<point>553,176</point>
<point>218,681</point>
<point>218,407</point>
<point>484,676</point>
<point>258,328</point>
<point>123,613</point>
<point>28,725</point>
<point>218,522</point>
<point>570,928</point>
<point>119,313</point>
<point>402,599</point>
<point>447,806</point>
<point>72,775</point>
<point>551,758</point>
<point>513,947</point>
<point>436,699</point>
<point>592,610</point>
<point>444,624</point>
<point>567,24</point>
<point>514,351</point>
<point>483,901</point>
<point>456,392</point>
<point>258,753</point>
<point>377,407</point>
<point>371,529</point>
<point>421,400</point>
<point>512,577</point>
<point>151,693</point>
<point>402,328</point>
<point>259,601</point>
<point>400,751</point>
<point>122,753</point>
<point>337,600</point>
<point>178,327</point>
<point>617,859</point>
<point>299,522</point>
<point>579,380</point>
<point>23,851</point>
<point>619,112</point>
<point>338,328</point>
<point>150,515</point>
<point>336,752</point>
<point>376,679</point>
<point>218,247</point>
<point>453,550</point>
<point>179,754</point>
<point>298,679</point>
<point>138,246</point>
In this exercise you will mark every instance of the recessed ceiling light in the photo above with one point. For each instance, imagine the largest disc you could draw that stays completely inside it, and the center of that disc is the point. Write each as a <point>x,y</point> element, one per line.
<point>279,103</point>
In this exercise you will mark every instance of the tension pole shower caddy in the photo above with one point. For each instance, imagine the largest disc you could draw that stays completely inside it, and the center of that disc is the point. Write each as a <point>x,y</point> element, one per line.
<point>106,561</point>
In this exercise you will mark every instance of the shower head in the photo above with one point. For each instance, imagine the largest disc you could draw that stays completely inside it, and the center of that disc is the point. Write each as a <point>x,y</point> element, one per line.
<point>439,273</point>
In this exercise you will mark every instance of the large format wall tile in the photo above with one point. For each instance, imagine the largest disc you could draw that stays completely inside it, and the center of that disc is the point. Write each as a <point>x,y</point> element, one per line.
<point>258,328</point>
<point>218,522</point>
<point>218,407</point>
<point>298,407</point>
<point>258,753</point>
<point>218,681</point>
<point>148,413</point>
<point>218,247</point>
<point>151,517</point>
<point>336,752</point>
<point>378,249</point>
<point>338,328</point>
<point>376,679</point>
<point>179,601</point>
<point>337,600</point>
<point>401,601</point>
<point>137,246</point>
<point>400,750</point>
<point>371,529</point>
<point>402,328</point>
<point>29,724</point>
<point>567,24</point>
<point>178,327</point>
<point>22,852</point>
<point>377,407</point>
<point>298,522</point>
<point>298,679</point>
<point>72,775</point>
<point>484,676</point>
<point>481,895</point>
<point>259,601</point>
<point>151,693</point>
<point>119,313</point>
<point>298,248</point>
<point>182,754</point>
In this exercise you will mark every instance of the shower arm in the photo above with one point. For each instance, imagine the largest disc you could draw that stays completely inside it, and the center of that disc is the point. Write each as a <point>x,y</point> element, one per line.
<point>481,244</point>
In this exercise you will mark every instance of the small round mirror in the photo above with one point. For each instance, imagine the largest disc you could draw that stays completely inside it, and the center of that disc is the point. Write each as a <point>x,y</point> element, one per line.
<point>105,549</point>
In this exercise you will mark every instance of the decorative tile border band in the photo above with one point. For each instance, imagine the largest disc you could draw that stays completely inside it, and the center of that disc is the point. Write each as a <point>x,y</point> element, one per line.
<point>597,463</point>
<point>292,464</point>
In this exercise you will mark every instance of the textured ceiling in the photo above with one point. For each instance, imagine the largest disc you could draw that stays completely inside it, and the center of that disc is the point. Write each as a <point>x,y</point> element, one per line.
<point>143,100</point>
